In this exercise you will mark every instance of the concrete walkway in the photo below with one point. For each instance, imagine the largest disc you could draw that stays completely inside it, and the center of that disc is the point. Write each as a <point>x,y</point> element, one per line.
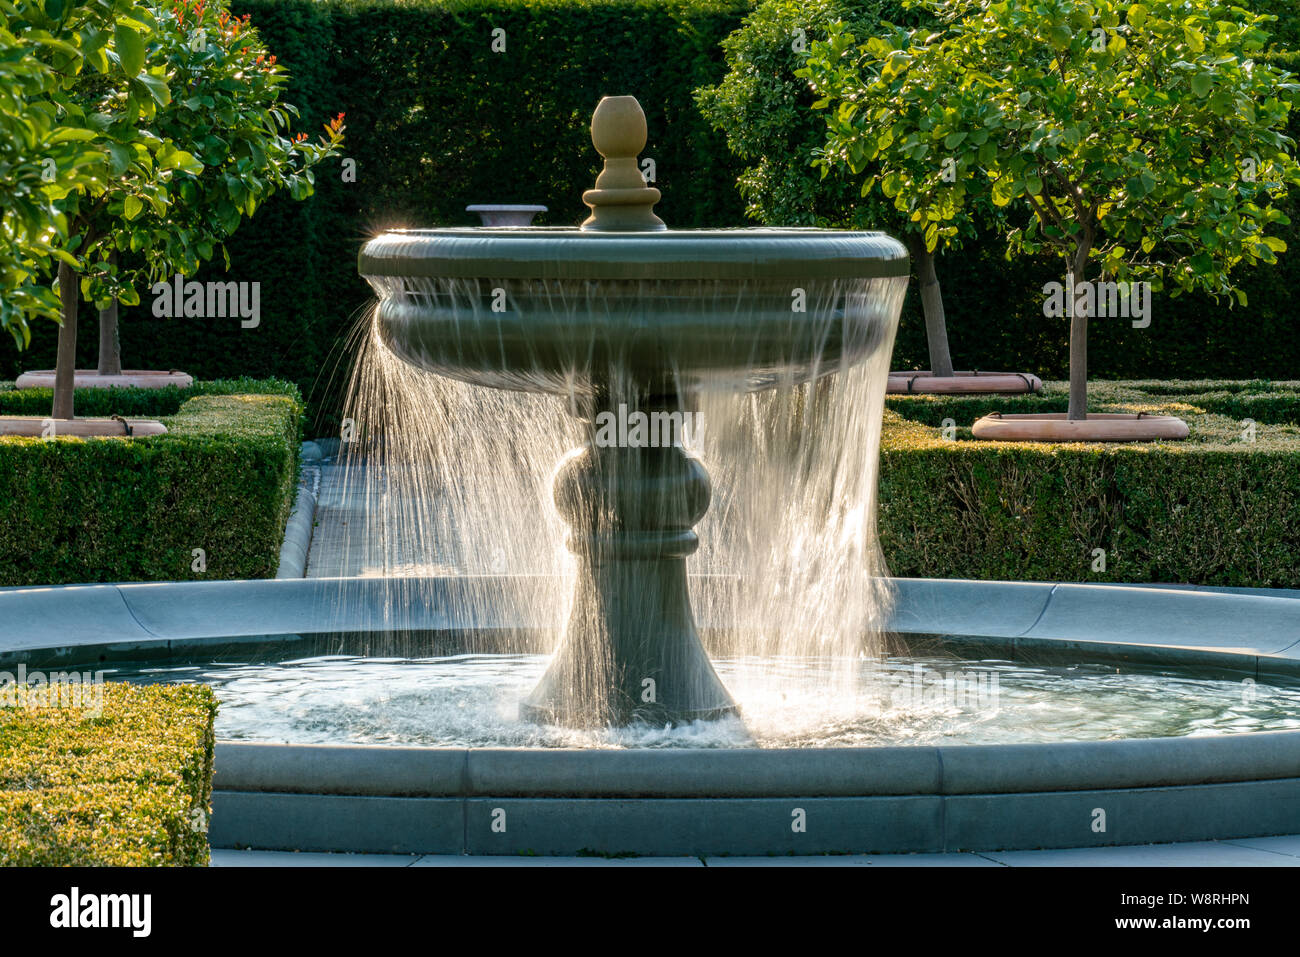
<point>348,541</point>
<point>1246,852</point>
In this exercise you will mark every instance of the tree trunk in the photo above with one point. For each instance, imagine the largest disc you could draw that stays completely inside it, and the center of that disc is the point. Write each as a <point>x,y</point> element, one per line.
<point>110,344</point>
<point>936,329</point>
<point>1078,408</point>
<point>66,370</point>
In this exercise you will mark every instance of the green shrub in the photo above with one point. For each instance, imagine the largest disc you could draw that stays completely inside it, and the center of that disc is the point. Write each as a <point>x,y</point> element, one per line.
<point>129,787</point>
<point>1216,509</point>
<point>222,479</point>
<point>1261,400</point>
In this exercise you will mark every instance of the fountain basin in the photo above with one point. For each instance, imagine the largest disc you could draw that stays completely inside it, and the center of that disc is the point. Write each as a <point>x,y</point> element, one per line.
<point>730,801</point>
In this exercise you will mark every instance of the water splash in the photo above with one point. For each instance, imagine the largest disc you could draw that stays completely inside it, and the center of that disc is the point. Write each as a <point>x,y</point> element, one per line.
<point>449,478</point>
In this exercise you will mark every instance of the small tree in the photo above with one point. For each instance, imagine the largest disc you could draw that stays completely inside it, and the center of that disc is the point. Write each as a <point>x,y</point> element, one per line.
<point>239,133</point>
<point>1144,140</point>
<point>44,155</point>
<point>186,166</point>
<point>763,105</point>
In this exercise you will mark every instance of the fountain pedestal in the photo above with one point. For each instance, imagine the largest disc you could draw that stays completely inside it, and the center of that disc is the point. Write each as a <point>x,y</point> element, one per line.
<point>631,651</point>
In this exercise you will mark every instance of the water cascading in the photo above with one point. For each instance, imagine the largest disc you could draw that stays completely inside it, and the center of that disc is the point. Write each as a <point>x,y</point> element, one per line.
<point>638,329</point>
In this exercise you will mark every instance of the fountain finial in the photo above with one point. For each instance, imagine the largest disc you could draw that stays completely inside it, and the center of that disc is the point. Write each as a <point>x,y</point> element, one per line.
<point>621,200</point>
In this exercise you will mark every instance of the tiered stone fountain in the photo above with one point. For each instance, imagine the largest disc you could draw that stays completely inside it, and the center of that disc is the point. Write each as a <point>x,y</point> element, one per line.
<point>623,315</point>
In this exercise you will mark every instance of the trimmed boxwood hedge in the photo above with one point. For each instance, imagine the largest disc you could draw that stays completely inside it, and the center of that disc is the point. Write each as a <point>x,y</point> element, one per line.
<point>222,479</point>
<point>1216,509</point>
<point>133,402</point>
<point>129,787</point>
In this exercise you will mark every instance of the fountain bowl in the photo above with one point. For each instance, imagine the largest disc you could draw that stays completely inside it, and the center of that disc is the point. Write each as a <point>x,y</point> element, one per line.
<point>561,310</point>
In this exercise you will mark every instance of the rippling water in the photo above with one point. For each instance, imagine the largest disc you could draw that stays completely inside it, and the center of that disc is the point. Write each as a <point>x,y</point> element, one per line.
<point>473,700</point>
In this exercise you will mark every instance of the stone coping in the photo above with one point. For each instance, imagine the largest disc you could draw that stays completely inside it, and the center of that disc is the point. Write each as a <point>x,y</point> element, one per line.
<point>427,800</point>
<point>752,772</point>
<point>1241,631</point>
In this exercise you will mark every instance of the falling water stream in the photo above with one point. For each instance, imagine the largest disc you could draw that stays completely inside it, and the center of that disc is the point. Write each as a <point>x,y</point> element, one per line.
<point>455,479</point>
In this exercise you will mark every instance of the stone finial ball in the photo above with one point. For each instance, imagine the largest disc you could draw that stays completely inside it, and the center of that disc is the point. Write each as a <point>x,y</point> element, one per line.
<point>618,127</point>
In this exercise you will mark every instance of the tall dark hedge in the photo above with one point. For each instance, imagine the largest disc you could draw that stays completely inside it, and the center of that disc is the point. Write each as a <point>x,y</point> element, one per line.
<point>436,121</point>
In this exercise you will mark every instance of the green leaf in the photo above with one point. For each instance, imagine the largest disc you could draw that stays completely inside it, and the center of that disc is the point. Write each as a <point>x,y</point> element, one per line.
<point>130,48</point>
<point>66,133</point>
<point>1201,84</point>
<point>1140,185</point>
<point>179,159</point>
<point>1137,16</point>
<point>157,87</point>
<point>132,207</point>
<point>119,158</point>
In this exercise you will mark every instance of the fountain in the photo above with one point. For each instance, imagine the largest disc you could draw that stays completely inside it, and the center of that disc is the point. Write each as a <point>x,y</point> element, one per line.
<point>375,711</point>
<point>626,320</point>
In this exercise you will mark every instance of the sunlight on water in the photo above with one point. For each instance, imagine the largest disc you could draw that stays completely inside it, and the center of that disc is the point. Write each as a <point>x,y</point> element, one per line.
<point>473,701</point>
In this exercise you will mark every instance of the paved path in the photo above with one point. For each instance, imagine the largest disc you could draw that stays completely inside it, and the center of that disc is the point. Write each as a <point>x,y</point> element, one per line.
<point>1246,852</point>
<point>348,541</point>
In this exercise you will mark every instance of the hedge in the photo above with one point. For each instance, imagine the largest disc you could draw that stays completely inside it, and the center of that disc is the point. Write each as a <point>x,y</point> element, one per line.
<point>437,121</point>
<point>222,480</point>
<point>131,401</point>
<point>131,786</point>
<point>1276,403</point>
<point>1216,509</point>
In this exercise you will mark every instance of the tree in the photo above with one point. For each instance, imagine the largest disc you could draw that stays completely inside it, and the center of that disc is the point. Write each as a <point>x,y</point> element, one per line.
<point>183,169</point>
<point>764,107</point>
<point>227,115</point>
<point>44,154</point>
<point>1142,140</point>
